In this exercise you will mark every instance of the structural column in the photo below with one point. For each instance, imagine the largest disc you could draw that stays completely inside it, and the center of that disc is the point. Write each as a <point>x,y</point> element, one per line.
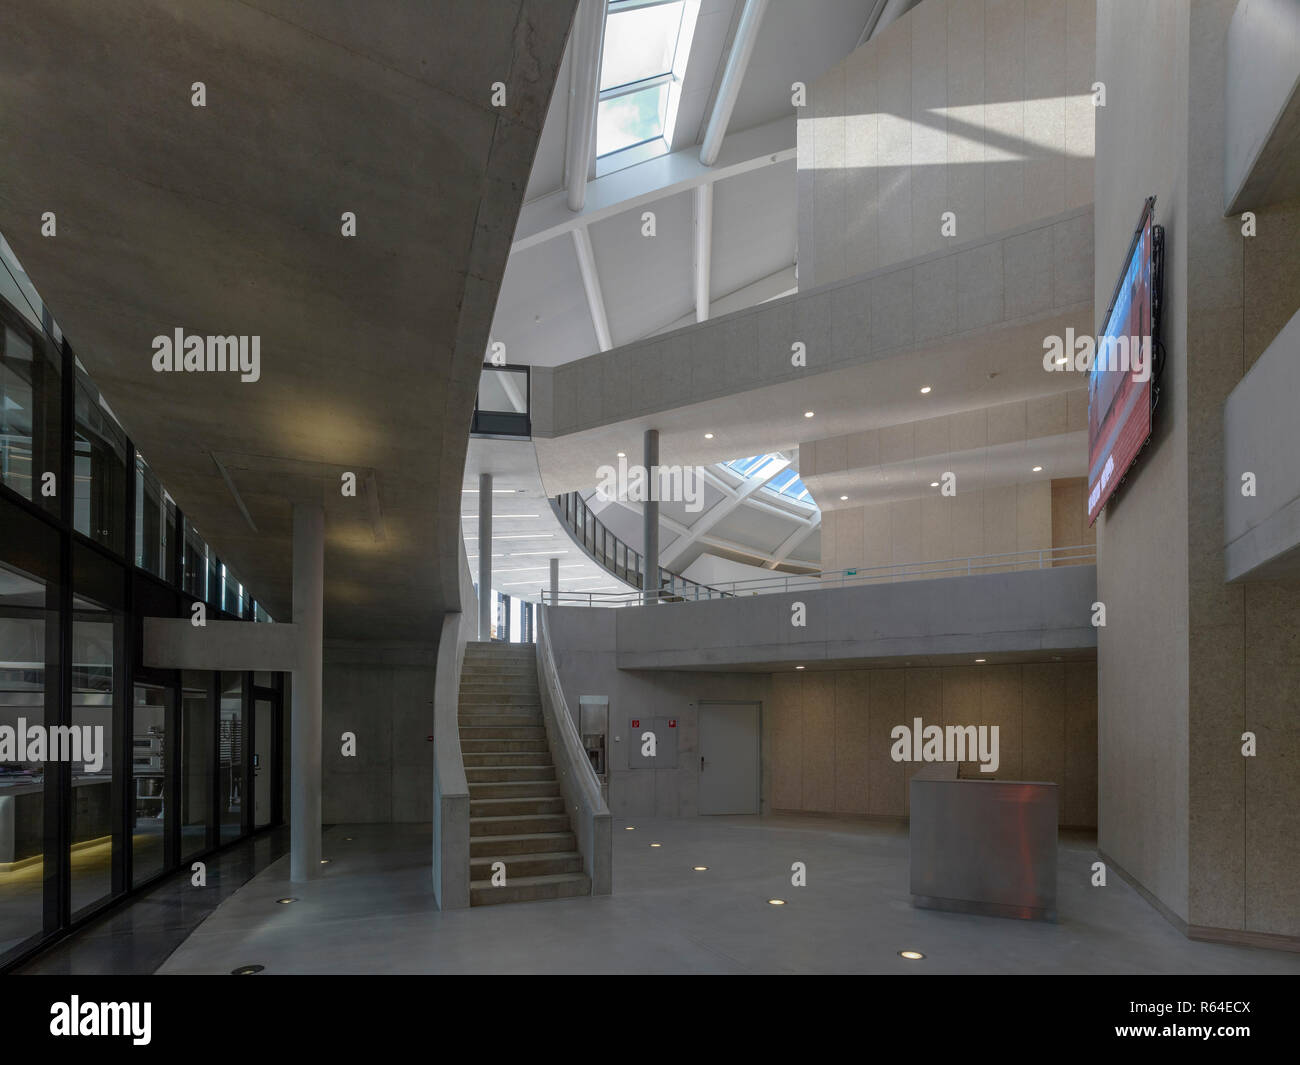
<point>485,556</point>
<point>305,730</point>
<point>555,582</point>
<point>650,556</point>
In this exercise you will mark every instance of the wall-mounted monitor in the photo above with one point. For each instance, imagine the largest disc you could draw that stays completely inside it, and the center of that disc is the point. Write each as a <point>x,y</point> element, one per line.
<point>1122,386</point>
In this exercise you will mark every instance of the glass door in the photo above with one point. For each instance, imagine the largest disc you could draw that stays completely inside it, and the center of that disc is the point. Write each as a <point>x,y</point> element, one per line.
<point>261,769</point>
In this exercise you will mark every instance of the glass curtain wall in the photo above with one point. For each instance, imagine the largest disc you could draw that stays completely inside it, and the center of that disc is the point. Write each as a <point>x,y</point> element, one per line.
<point>153,767</point>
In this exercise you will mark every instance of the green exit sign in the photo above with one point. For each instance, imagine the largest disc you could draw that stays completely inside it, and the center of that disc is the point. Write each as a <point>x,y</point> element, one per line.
<point>850,573</point>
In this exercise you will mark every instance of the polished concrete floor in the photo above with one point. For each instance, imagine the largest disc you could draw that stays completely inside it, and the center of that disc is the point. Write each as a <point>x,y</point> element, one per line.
<point>137,936</point>
<point>372,911</point>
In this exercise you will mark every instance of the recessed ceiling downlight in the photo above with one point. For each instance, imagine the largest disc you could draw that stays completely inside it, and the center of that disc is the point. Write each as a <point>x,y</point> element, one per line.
<point>286,901</point>
<point>708,436</point>
<point>925,391</point>
<point>809,413</point>
<point>911,955</point>
<point>700,868</point>
<point>1038,469</point>
<point>776,902</point>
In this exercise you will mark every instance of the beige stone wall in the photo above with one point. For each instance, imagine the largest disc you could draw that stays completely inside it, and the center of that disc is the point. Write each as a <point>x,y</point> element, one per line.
<point>979,107</point>
<point>994,521</point>
<point>828,733</point>
<point>1187,663</point>
<point>1070,526</point>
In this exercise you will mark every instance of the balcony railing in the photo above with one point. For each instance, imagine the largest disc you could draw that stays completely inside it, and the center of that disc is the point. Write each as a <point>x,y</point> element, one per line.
<point>972,565</point>
<point>615,556</point>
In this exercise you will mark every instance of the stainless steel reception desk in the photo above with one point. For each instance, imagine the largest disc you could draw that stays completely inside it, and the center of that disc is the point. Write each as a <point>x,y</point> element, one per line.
<point>983,846</point>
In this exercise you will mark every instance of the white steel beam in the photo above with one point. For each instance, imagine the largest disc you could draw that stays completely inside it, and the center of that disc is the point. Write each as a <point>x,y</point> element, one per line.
<point>584,86</point>
<point>742,47</point>
<point>703,248</point>
<point>549,216</point>
<point>591,284</point>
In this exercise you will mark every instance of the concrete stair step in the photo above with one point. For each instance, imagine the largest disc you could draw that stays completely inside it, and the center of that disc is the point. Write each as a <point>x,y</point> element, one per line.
<point>530,889</point>
<point>522,843</point>
<point>502,689</point>
<point>553,804</point>
<point>484,746</point>
<point>504,674</point>
<point>515,789</point>
<point>542,863</point>
<point>517,824</point>
<point>505,732</point>
<point>499,709</point>
<point>498,774</point>
<point>507,758</point>
<point>510,721</point>
<point>501,698</point>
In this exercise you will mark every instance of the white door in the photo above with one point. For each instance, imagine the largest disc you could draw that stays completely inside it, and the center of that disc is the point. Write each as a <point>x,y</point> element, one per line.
<point>729,758</point>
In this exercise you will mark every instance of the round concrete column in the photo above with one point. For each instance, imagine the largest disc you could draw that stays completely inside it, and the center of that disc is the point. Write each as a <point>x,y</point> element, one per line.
<point>650,524</point>
<point>305,725</point>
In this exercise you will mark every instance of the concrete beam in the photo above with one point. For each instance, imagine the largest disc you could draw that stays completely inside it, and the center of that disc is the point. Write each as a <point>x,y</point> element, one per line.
<point>1262,103</point>
<point>177,643</point>
<point>1028,610</point>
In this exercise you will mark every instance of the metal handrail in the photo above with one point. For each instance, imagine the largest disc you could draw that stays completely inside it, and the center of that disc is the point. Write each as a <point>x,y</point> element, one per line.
<point>972,565</point>
<point>615,556</point>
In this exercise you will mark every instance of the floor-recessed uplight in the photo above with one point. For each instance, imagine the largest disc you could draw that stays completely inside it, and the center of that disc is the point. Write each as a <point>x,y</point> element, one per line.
<point>286,901</point>
<point>656,844</point>
<point>247,970</point>
<point>700,868</point>
<point>776,902</point>
<point>800,667</point>
<point>809,413</point>
<point>981,660</point>
<point>1038,469</point>
<point>911,955</point>
<point>925,391</point>
<point>708,436</point>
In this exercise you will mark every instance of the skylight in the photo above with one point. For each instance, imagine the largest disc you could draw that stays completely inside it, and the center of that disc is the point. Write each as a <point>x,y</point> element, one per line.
<point>646,42</point>
<point>785,484</point>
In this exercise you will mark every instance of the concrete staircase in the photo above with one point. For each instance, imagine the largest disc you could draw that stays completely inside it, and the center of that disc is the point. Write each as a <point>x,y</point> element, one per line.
<point>517,815</point>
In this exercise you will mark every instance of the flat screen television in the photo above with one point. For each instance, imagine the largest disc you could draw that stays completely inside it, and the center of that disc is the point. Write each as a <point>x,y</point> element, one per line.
<point>1122,382</point>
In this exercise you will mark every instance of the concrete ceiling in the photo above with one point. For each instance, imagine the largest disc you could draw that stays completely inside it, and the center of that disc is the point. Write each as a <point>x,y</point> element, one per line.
<point>991,658</point>
<point>225,220</point>
<point>972,372</point>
